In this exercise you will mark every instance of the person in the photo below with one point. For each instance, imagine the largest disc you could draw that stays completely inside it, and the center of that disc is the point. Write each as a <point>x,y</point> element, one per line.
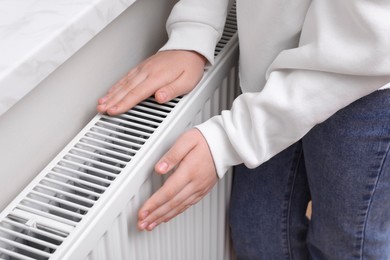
<point>312,124</point>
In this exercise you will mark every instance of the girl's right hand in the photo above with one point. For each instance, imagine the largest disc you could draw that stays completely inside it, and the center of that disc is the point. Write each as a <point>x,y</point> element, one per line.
<point>166,74</point>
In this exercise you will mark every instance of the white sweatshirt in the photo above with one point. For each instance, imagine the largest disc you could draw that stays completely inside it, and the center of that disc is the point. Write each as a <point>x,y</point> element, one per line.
<point>300,62</point>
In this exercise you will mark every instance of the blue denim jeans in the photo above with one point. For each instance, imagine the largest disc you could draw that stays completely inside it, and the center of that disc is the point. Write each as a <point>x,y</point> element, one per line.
<point>343,166</point>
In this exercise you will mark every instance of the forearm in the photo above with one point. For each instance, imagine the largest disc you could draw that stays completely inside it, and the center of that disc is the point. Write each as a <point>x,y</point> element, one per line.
<point>343,55</point>
<point>196,25</point>
<point>260,125</point>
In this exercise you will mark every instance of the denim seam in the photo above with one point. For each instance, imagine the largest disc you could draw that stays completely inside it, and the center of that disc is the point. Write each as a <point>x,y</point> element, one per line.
<point>287,217</point>
<point>372,196</point>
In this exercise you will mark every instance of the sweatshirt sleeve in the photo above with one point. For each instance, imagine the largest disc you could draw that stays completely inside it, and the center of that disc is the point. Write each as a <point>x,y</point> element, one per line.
<point>343,55</point>
<point>196,25</point>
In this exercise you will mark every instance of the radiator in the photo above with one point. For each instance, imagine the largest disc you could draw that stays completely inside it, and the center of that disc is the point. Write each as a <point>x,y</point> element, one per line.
<point>84,204</point>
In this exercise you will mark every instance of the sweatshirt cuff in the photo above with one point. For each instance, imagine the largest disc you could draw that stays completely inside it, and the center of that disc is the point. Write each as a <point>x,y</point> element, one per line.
<point>194,37</point>
<point>224,155</point>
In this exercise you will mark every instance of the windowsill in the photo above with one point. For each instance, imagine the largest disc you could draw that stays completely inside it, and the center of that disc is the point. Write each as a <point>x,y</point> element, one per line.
<point>38,37</point>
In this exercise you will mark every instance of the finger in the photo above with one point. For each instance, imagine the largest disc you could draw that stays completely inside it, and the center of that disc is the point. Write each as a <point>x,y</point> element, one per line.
<point>182,85</point>
<point>186,198</point>
<point>130,99</point>
<point>130,81</point>
<point>125,79</point>
<point>114,88</point>
<point>199,186</point>
<point>174,184</point>
<point>109,100</point>
<point>199,182</point>
<point>120,84</point>
<point>138,93</point>
<point>191,201</point>
<point>173,199</point>
<point>168,161</point>
<point>172,206</point>
<point>164,219</point>
<point>191,194</point>
<point>175,155</point>
<point>118,91</point>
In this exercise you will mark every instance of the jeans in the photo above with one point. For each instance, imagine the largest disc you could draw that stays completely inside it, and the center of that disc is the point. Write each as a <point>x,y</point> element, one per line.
<point>342,166</point>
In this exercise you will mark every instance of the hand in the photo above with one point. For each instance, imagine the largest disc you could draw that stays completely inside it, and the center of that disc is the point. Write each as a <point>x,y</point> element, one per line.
<point>192,179</point>
<point>166,74</point>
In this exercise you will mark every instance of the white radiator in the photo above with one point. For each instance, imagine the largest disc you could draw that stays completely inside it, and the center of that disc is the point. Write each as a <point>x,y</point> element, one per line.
<point>84,204</point>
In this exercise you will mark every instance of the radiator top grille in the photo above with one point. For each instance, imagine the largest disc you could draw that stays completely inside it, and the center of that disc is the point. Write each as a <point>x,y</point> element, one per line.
<point>66,190</point>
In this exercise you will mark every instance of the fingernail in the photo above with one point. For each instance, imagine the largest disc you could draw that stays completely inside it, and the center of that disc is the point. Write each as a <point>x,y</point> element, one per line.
<point>151,226</point>
<point>101,109</point>
<point>162,96</point>
<point>143,225</point>
<point>162,166</point>
<point>103,100</point>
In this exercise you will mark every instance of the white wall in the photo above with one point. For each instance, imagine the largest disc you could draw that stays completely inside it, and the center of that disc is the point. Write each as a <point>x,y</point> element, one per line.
<point>38,127</point>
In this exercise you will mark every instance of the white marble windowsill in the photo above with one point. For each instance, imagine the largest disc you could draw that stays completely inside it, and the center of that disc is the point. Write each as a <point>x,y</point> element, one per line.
<point>37,36</point>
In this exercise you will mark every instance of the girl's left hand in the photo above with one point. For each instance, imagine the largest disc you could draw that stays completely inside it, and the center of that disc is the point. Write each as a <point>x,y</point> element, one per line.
<point>192,179</point>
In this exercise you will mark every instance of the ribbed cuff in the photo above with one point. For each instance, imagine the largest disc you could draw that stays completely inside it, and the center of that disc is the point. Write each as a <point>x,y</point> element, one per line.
<point>223,153</point>
<point>194,37</point>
